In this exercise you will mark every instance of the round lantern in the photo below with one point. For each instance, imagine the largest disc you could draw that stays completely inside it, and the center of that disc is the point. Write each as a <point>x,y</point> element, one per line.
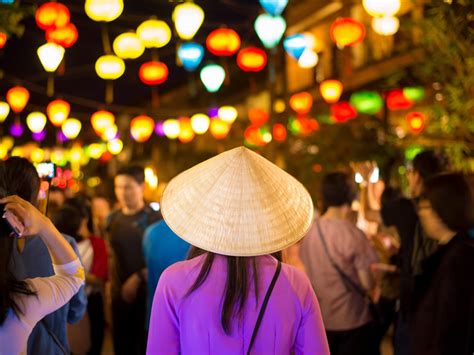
<point>101,120</point>
<point>3,39</point>
<point>258,117</point>
<point>71,128</point>
<point>115,146</point>
<point>171,128</point>
<point>153,73</point>
<point>228,114</point>
<point>212,76</point>
<point>219,129</point>
<point>368,102</point>
<point>223,42</point>
<point>186,133</point>
<point>52,15</point>
<point>190,54</point>
<point>36,121</point>
<point>109,67</point>
<point>17,98</point>
<point>385,26</point>
<point>109,133</point>
<point>331,90</point>
<point>95,150</point>
<point>50,55</point>
<point>270,29</point>
<point>154,33</point>
<point>4,111</point>
<point>309,59</point>
<point>64,36</point>
<point>347,32</point>
<point>396,100</point>
<point>301,103</point>
<point>380,8</point>
<point>141,128</point>
<point>274,7</point>
<point>58,111</point>
<point>343,111</point>
<point>279,132</point>
<point>251,59</point>
<point>16,130</point>
<point>253,137</point>
<point>39,137</point>
<point>103,10</point>
<point>416,121</point>
<point>414,93</point>
<point>295,45</point>
<point>128,46</point>
<point>187,18</point>
<point>200,123</point>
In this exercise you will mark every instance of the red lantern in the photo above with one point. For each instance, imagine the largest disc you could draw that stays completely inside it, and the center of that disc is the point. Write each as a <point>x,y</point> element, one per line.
<point>52,15</point>
<point>279,132</point>
<point>252,59</point>
<point>347,32</point>
<point>3,39</point>
<point>64,36</point>
<point>258,117</point>
<point>223,42</point>
<point>253,137</point>
<point>343,111</point>
<point>301,103</point>
<point>17,98</point>
<point>153,73</point>
<point>396,100</point>
<point>416,122</point>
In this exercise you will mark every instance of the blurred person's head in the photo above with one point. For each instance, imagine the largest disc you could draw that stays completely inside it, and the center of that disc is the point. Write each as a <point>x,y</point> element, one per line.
<point>100,209</point>
<point>446,206</point>
<point>21,178</point>
<point>68,220</point>
<point>57,196</point>
<point>82,204</point>
<point>129,187</point>
<point>425,165</point>
<point>337,191</point>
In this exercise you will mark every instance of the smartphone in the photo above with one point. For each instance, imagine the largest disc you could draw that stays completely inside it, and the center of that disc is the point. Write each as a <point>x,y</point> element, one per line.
<point>11,223</point>
<point>46,170</point>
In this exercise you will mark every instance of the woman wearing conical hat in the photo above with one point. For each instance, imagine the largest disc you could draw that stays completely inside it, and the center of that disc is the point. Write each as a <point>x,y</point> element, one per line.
<point>236,297</point>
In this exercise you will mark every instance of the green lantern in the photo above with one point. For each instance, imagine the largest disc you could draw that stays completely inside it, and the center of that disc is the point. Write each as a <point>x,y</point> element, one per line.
<point>368,102</point>
<point>294,126</point>
<point>412,151</point>
<point>414,93</point>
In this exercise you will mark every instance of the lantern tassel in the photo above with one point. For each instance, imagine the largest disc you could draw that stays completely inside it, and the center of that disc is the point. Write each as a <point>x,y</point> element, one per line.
<point>50,86</point>
<point>109,92</point>
<point>155,97</point>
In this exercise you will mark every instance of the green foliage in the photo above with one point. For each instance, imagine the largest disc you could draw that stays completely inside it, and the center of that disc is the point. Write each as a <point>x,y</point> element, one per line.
<point>11,17</point>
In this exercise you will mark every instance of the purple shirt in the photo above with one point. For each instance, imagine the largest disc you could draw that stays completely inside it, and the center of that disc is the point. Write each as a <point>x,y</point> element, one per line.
<point>192,324</point>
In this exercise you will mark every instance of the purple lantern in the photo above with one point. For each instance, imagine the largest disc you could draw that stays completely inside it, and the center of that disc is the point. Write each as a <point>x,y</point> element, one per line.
<point>16,129</point>
<point>61,137</point>
<point>159,131</point>
<point>40,136</point>
<point>213,112</point>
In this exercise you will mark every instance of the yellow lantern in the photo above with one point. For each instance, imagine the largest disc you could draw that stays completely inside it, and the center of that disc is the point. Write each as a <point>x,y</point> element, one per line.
<point>50,55</point>
<point>128,46</point>
<point>3,152</point>
<point>219,128</point>
<point>115,146</point>
<point>385,26</point>
<point>331,90</point>
<point>36,121</point>
<point>228,114</point>
<point>154,33</point>
<point>8,142</point>
<point>37,155</point>
<point>109,67</point>
<point>381,7</point>
<point>75,154</point>
<point>58,157</point>
<point>187,18</point>
<point>58,111</point>
<point>71,128</point>
<point>95,150</point>
<point>109,133</point>
<point>141,128</point>
<point>200,123</point>
<point>4,110</point>
<point>186,133</point>
<point>18,152</point>
<point>103,10</point>
<point>171,128</point>
<point>101,120</point>
<point>17,98</point>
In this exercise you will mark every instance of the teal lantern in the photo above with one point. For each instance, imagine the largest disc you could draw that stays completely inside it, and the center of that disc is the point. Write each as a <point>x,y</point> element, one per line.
<point>190,54</point>
<point>212,76</point>
<point>274,7</point>
<point>414,93</point>
<point>368,102</point>
<point>270,29</point>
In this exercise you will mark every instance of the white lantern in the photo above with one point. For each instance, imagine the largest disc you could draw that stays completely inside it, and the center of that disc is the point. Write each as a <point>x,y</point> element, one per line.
<point>385,26</point>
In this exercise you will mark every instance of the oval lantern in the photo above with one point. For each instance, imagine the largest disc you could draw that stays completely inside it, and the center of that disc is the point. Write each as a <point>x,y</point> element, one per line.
<point>187,18</point>
<point>154,33</point>
<point>414,93</point>
<point>295,45</point>
<point>200,123</point>
<point>219,129</point>
<point>258,117</point>
<point>274,7</point>
<point>252,59</point>
<point>115,146</point>
<point>71,128</point>
<point>128,46</point>
<point>396,100</point>
<point>16,129</point>
<point>64,36</point>
<point>416,121</point>
<point>331,90</point>
<point>228,114</point>
<point>141,128</point>
<point>223,42</point>
<point>343,111</point>
<point>186,133</point>
<point>50,55</point>
<point>153,73</point>
<point>101,120</point>
<point>385,26</point>
<point>212,76</point>
<point>58,111</point>
<point>4,110</point>
<point>347,32</point>
<point>171,128</point>
<point>368,102</point>
<point>279,132</point>
<point>380,8</point>
<point>301,102</point>
<point>190,54</point>
<point>270,29</point>
<point>109,133</point>
<point>109,67</point>
<point>253,137</point>
<point>3,39</point>
<point>17,98</point>
<point>309,59</point>
<point>36,121</point>
<point>103,10</point>
<point>52,15</point>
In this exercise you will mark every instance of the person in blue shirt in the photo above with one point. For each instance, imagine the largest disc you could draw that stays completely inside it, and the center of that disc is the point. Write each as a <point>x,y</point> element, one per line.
<point>161,248</point>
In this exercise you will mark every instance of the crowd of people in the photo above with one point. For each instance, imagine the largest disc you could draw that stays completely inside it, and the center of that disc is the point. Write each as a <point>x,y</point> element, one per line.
<point>239,260</point>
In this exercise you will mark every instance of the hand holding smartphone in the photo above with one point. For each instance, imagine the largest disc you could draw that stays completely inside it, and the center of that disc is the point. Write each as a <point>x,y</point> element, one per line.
<point>11,223</point>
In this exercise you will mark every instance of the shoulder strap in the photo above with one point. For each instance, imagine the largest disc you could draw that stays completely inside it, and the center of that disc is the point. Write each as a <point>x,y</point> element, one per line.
<point>264,306</point>
<point>54,337</point>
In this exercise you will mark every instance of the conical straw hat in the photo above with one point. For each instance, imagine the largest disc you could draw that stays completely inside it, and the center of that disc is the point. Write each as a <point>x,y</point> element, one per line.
<point>238,204</point>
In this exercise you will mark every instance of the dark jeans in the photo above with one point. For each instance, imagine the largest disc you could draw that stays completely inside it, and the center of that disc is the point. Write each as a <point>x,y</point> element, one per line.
<point>358,341</point>
<point>402,337</point>
<point>95,308</point>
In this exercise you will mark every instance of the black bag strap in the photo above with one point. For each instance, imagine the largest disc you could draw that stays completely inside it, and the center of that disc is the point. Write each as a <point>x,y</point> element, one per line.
<point>54,337</point>
<point>264,306</point>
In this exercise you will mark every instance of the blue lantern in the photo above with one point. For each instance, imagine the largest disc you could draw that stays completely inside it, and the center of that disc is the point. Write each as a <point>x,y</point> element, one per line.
<point>295,45</point>
<point>274,7</point>
<point>190,54</point>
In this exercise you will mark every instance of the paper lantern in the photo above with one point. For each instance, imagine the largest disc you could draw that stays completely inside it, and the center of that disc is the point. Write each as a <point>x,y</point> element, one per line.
<point>50,55</point>
<point>253,137</point>
<point>17,98</point>
<point>219,129</point>
<point>368,102</point>
<point>385,26</point>
<point>212,76</point>
<point>270,29</point>
<point>153,73</point>
<point>4,111</point>
<point>347,32</point>
<point>95,150</point>
<point>52,15</point>
<point>64,36</point>
<point>186,133</point>
<point>101,120</point>
<point>309,59</point>
<point>16,129</point>
<point>380,8</point>
<point>103,10</point>
<point>223,42</point>
<point>414,93</point>
<point>109,67</point>
<point>301,103</point>
<point>109,133</point>
<point>171,128</point>
<point>295,45</point>
<point>190,54</point>
<point>154,33</point>
<point>331,90</point>
<point>58,111</point>
<point>187,18</point>
<point>396,100</point>
<point>252,59</point>
<point>128,46</point>
<point>71,128</point>
<point>39,137</point>
<point>279,132</point>
<point>274,7</point>
<point>3,39</point>
<point>416,122</point>
<point>228,114</point>
<point>343,111</point>
<point>36,121</point>
<point>200,123</point>
<point>258,117</point>
<point>141,128</point>
<point>115,146</point>
<point>37,155</point>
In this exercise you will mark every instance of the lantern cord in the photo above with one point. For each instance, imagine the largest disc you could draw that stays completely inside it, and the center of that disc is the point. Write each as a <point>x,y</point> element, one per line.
<point>109,92</point>
<point>50,86</point>
<point>105,38</point>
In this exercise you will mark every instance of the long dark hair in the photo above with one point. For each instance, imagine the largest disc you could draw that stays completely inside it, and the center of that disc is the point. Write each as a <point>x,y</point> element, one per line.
<point>237,283</point>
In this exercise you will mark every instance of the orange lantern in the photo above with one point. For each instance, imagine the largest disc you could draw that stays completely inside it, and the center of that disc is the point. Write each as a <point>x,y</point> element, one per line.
<point>347,32</point>
<point>101,120</point>
<point>252,59</point>
<point>253,137</point>
<point>141,128</point>
<point>186,133</point>
<point>153,73</point>
<point>223,42</point>
<point>219,129</point>
<point>52,15</point>
<point>416,122</point>
<point>3,39</point>
<point>279,132</point>
<point>58,111</point>
<point>258,117</point>
<point>301,103</point>
<point>17,98</point>
<point>64,36</point>
<point>331,90</point>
